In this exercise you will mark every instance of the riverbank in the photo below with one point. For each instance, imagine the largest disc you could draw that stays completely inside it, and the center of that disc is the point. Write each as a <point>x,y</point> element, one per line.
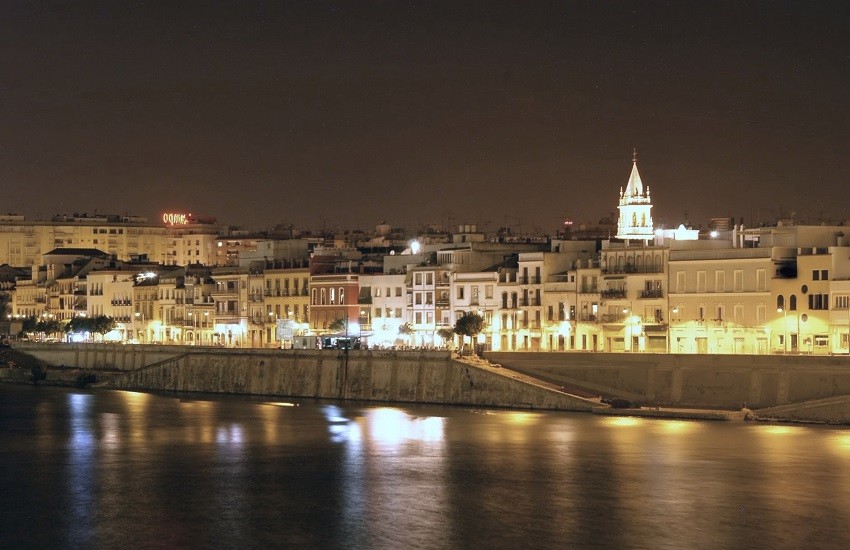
<point>665,386</point>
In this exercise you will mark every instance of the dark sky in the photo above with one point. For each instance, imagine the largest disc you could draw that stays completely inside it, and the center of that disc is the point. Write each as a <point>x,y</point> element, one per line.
<point>350,113</point>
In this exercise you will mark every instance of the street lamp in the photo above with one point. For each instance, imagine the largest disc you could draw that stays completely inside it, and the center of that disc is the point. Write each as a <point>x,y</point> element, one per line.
<point>784,327</point>
<point>673,310</point>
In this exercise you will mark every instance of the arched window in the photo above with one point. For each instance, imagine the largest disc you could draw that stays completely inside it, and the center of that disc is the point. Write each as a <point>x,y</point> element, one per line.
<point>643,220</point>
<point>504,300</point>
<point>780,302</point>
<point>792,302</point>
<point>324,296</point>
<point>341,295</point>
<point>634,219</point>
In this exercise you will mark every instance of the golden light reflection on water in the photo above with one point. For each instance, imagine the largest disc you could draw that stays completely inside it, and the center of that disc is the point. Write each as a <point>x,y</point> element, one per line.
<point>621,421</point>
<point>778,430</point>
<point>382,445</point>
<point>678,427</point>
<point>840,443</point>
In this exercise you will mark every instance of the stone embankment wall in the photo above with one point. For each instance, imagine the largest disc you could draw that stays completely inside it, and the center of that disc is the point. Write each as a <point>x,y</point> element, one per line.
<point>813,388</point>
<point>387,376</point>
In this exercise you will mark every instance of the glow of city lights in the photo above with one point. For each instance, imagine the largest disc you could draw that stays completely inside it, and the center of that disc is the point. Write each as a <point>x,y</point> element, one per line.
<point>621,421</point>
<point>678,426</point>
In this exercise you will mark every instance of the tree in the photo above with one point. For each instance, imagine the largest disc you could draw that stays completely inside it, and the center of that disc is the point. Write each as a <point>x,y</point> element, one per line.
<point>469,324</point>
<point>447,334</point>
<point>102,324</point>
<point>337,325</point>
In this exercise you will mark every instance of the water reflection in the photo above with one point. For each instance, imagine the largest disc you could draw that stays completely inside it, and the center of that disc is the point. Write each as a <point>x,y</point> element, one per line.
<point>141,470</point>
<point>81,468</point>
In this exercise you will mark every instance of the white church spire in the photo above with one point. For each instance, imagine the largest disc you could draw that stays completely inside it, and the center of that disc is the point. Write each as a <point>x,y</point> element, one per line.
<point>635,218</point>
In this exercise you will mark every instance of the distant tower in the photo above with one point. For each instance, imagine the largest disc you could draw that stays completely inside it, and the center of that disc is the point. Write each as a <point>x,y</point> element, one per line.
<point>635,218</point>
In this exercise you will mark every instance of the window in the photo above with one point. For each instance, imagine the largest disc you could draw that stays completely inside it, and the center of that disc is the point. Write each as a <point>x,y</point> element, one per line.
<point>739,280</point>
<point>761,278</point>
<point>719,281</point>
<point>417,298</point>
<point>460,293</point>
<point>429,279</point>
<point>488,292</point>
<point>815,274</point>
<point>700,281</point>
<point>377,312</point>
<point>824,274</point>
<point>418,318</point>
<point>550,314</point>
<point>739,313</point>
<point>377,292</point>
<point>417,279</point>
<point>842,302</point>
<point>792,302</point>
<point>818,301</point>
<point>680,281</point>
<point>429,298</point>
<point>397,292</point>
<point>780,302</point>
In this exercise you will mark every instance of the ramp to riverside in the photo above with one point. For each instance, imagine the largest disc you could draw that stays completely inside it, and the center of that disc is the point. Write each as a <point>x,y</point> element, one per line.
<point>730,382</point>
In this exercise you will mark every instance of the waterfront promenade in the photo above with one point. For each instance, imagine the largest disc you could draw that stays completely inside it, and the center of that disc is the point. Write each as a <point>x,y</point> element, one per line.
<point>804,388</point>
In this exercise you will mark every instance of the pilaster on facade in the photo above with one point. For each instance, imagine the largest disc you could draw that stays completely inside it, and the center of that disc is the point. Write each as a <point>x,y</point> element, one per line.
<point>720,300</point>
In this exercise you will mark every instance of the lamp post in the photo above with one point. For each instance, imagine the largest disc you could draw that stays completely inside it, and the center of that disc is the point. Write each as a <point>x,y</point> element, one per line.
<point>138,317</point>
<point>673,310</point>
<point>360,327</point>
<point>784,327</point>
<point>205,324</point>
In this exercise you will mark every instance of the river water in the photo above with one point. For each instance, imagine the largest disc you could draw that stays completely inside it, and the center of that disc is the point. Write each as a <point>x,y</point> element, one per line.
<point>113,469</point>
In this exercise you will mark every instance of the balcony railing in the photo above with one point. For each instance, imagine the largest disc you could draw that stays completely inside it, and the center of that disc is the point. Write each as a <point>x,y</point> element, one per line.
<point>613,293</point>
<point>589,290</point>
<point>654,293</point>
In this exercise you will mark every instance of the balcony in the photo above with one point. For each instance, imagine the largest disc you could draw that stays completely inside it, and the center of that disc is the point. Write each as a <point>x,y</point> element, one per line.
<point>613,317</point>
<point>528,280</point>
<point>611,293</point>
<point>653,293</point>
<point>589,290</point>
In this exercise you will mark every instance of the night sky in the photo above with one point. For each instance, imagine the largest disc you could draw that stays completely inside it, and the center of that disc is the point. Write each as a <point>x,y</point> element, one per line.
<point>345,114</point>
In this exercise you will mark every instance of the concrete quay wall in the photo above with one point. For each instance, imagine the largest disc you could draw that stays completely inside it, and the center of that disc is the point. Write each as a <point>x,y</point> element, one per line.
<point>433,377</point>
<point>812,388</point>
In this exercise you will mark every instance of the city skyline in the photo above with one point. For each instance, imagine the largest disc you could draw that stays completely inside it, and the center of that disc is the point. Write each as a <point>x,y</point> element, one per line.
<point>493,113</point>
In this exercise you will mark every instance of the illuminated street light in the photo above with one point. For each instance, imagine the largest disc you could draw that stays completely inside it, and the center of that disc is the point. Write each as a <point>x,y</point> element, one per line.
<point>673,310</point>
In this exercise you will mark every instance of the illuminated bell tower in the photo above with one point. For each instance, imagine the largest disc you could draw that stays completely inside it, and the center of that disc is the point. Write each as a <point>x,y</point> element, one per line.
<point>635,218</point>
